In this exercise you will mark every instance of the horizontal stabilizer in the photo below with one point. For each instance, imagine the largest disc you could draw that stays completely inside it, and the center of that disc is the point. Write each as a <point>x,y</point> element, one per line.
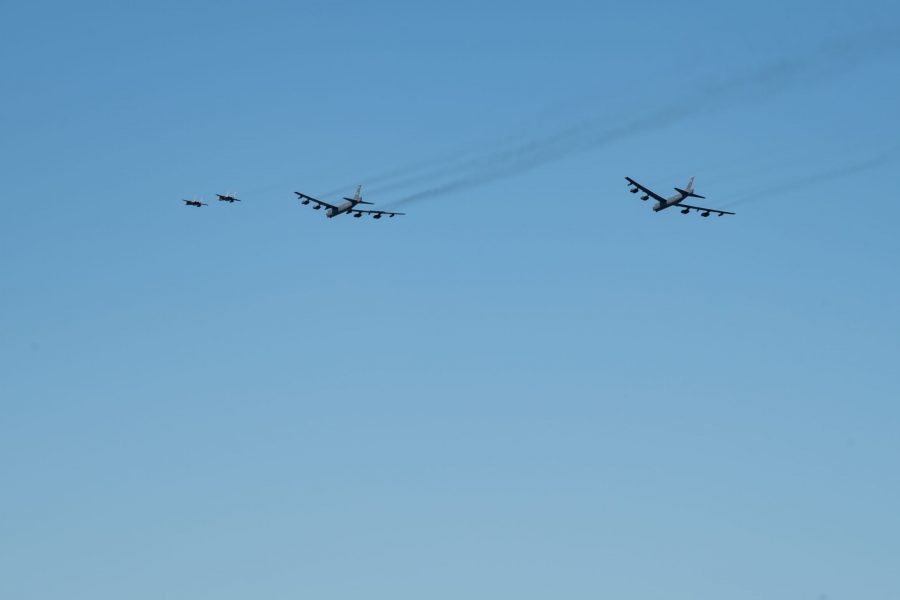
<point>688,194</point>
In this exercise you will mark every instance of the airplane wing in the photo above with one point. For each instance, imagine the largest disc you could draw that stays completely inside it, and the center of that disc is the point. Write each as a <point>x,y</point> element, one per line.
<point>307,199</point>
<point>375,213</point>
<point>688,208</point>
<point>653,195</point>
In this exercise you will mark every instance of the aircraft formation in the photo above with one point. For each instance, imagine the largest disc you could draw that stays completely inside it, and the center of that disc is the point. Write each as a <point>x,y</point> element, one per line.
<point>350,205</point>
<point>347,207</point>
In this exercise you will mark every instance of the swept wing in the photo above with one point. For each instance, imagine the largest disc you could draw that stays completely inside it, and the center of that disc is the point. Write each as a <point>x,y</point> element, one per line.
<point>686,208</point>
<point>376,214</point>
<point>318,203</point>
<point>647,191</point>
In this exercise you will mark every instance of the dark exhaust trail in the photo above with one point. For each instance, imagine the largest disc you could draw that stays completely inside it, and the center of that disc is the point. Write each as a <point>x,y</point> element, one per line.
<point>789,186</point>
<point>436,166</point>
<point>545,151</point>
<point>829,60</point>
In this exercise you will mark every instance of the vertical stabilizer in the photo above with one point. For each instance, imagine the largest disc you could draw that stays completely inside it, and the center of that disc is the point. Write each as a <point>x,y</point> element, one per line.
<point>688,191</point>
<point>357,198</point>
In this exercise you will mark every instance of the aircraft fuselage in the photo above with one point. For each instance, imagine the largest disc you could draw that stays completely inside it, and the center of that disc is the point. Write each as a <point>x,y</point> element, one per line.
<point>671,201</point>
<point>342,208</point>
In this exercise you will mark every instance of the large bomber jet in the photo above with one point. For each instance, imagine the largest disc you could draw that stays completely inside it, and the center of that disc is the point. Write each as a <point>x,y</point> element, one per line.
<point>228,198</point>
<point>196,203</point>
<point>676,200</point>
<point>347,207</point>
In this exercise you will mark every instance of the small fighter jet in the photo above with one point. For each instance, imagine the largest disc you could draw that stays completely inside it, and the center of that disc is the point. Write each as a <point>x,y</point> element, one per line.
<point>228,198</point>
<point>676,200</point>
<point>347,207</point>
<point>196,203</point>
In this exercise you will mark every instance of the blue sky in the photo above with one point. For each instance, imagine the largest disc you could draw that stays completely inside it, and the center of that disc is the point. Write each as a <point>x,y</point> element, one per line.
<point>529,387</point>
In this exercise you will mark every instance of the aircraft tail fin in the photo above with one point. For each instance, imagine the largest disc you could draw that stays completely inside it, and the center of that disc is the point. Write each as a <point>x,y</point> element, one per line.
<point>688,191</point>
<point>357,198</point>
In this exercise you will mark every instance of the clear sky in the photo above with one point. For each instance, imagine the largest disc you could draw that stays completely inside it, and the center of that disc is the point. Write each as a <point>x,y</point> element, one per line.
<point>531,386</point>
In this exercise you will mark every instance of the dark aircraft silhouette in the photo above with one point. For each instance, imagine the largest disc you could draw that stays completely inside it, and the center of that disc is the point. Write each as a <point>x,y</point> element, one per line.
<point>196,203</point>
<point>227,198</point>
<point>676,200</point>
<point>346,208</point>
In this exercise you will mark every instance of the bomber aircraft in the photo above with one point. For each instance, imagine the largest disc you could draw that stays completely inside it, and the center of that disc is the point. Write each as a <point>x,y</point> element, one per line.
<point>676,200</point>
<point>347,207</point>
<point>228,198</point>
<point>196,203</point>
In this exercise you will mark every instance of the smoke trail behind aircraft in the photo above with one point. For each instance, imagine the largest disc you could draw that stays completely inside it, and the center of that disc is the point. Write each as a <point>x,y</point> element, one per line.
<point>793,185</point>
<point>826,61</point>
<point>436,166</point>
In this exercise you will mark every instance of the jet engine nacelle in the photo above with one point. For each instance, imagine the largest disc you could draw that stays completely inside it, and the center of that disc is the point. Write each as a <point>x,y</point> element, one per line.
<point>645,197</point>
<point>633,190</point>
<point>376,216</point>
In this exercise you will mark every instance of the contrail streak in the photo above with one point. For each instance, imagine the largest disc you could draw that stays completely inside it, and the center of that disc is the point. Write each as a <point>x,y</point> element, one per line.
<point>828,60</point>
<point>790,185</point>
<point>415,172</point>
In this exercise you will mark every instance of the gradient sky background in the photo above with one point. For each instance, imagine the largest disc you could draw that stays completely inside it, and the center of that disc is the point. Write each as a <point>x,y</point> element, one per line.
<point>532,387</point>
